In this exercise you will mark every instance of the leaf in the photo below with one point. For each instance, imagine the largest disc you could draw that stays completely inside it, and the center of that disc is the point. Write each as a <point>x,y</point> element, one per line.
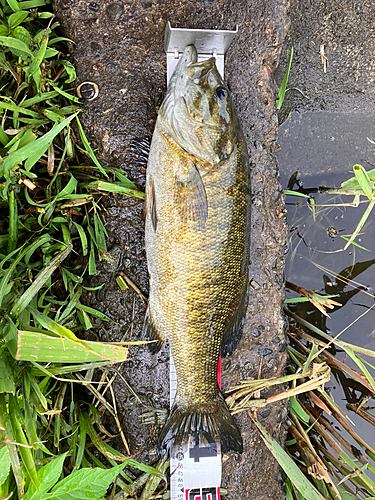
<point>17,18</point>
<point>17,47</point>
<point>92,265</point>
<point>32,152</point>
<point>68,189</point>
<point>38,58</point>
<point>357,360</point>
<point>361,222</point>
<point>69,308</point>
<point>296,193</point>
<point>7,275</point>
<point>345,495</point>
<point>70,71</point>
<point>20,437</point>
<point>31,4</point>
<point>22,34</point>
<point>100,234</point>
<point>125,182</point>
<point>13,222</point>
<point>47,476</point>
<point>63,93</point>
<point>3,30</point>
<point>4,464</point>
<point>104,448</point>
<point>39,281</point>
<point>45,15</point>
<point>50,53</point>
<point>11,447</point>
<point>44,239</point>
<point>90,484</point>
<point>14,5</point>
<point>84,319</point>
<point>82,441</point>
<point>43,97</point>
<point>363,180</point>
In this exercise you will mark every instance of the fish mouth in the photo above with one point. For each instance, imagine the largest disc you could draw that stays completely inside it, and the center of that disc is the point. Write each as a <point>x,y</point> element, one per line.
<point>189,56</point>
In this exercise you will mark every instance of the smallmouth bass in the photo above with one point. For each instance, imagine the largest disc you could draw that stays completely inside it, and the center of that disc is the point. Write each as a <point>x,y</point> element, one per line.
<point>197,243</point>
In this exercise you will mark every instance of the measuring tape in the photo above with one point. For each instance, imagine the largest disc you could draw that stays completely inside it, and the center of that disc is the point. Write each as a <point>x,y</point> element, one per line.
<point>195,469</point>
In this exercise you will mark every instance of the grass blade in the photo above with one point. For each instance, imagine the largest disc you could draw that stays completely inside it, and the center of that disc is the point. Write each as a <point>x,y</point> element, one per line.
<point>83,237</point>
<point>13,222</point>
<point>11,447</point>
<point>113,187</point>
<point>298,479</point>
<point>34,67</point>
<point>10,270</point>
<point>283,89</point>
<point>361,222</point>
<point>39,281</point>
<point>87,146</point>
<point>24,450</point>
<point>94,312</point>
<point>7,384</point>
<point>34,346</point>
<point>32,152</point>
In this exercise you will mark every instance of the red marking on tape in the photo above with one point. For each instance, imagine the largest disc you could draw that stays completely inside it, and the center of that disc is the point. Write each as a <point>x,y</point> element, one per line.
<point>219,373</point>
<point>202,493</point>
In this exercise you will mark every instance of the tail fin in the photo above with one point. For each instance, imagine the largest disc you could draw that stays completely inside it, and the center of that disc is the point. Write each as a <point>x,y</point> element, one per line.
<point>211,421</point>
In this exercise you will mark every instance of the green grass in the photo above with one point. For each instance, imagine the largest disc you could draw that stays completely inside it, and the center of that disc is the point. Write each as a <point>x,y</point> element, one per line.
<point>52,444</point>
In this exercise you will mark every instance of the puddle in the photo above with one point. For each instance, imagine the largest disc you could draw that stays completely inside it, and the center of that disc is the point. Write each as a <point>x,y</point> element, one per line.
<point>323,147</point>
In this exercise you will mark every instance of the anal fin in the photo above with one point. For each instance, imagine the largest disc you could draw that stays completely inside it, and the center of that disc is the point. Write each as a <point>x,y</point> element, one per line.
<point>149,332</point>
<point>233,334</point>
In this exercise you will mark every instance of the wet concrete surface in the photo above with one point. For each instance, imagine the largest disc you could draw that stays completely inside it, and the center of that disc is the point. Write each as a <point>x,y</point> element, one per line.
<point>119,46</point>
<point>326,132</point>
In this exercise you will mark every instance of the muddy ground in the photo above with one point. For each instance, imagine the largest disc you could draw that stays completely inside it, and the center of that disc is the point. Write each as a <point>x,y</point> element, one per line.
<point>119,46</point>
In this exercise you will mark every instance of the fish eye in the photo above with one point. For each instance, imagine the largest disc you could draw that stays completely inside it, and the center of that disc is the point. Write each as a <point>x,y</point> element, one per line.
<point>222,93</point>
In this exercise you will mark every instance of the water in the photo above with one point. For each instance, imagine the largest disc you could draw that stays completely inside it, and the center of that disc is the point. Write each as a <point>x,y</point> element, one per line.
<point>323,147</point>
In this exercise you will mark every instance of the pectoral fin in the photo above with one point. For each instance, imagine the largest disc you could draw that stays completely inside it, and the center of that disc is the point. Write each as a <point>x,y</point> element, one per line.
<point>149,332</point>
<point>191,198</point>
